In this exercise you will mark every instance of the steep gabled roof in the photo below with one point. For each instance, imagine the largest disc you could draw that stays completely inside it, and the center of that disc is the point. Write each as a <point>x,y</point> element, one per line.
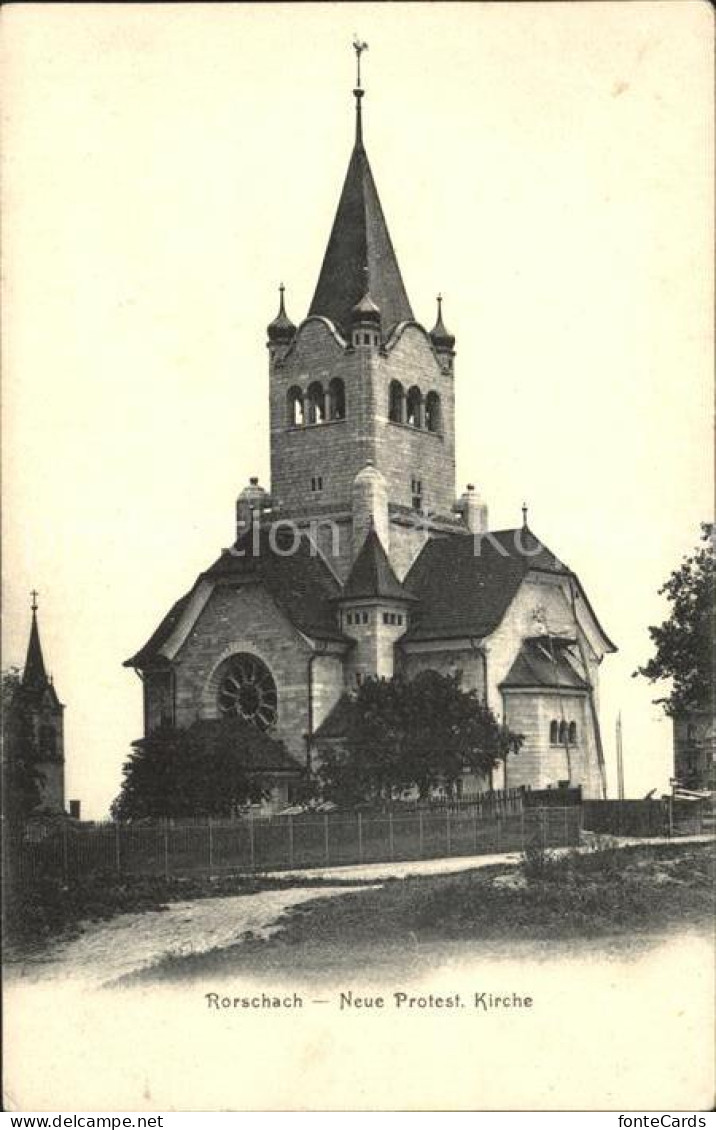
<point>150,653</point>
<point>466,583</point>
<point>544,663</point>
<point>300,583</point>
<point>372,574</point>
<point>360,256</point>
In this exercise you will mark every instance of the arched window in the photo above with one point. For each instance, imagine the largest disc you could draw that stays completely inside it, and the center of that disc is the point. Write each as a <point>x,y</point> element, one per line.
<point>337,398</point>
<point>296,416</point>
<point>554,733</point>
<point>396,407</point>
<point>316,403</point>
<point>562,733</point>
<point>432,412</point>
<point>414,404</point>
<point>572,733</point>
<point>247,690</point>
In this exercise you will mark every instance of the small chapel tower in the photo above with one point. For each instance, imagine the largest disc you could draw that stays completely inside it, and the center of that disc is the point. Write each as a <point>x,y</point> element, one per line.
<point>35,723</point>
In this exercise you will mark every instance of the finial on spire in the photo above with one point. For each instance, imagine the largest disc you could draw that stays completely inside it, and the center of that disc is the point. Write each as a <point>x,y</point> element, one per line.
<point>359,46</point>
<point>34,594</point>
<point>441,337</point>
<point>524,515</point>
<point>281,329</point>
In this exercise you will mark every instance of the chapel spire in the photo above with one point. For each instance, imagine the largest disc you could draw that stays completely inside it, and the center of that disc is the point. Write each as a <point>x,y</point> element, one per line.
<point>359,247</point>
<point>34,676</point>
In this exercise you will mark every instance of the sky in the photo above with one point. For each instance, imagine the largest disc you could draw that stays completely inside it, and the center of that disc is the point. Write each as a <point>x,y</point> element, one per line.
<point>548,167</point>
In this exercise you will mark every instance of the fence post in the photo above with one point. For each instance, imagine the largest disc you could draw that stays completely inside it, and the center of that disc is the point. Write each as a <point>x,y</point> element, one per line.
<point>522,828</point>
<point>325,837</point>
<point>391,843</point>
<point>360,838</point>
<point>252,846</point>
<point>290,841</point>
<point>566,826</point>
<point>498,831</point>
<point>670,811</point>
<point>210,845</point>
<point>166,851</point>
<point>543,827</point>
<point>421,851</point>
<point>447,829</point>
<point>118,848</point>
<point>474,828</point>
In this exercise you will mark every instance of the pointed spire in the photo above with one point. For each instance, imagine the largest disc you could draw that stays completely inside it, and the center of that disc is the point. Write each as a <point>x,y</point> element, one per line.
<point>360,242</point>
<point>34,675</point>
<point>440,334</point>
<point>372,574</point>
<point>281,329</point>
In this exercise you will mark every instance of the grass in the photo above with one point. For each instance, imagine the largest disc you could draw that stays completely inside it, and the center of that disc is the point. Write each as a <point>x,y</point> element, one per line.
<point>608,891</point>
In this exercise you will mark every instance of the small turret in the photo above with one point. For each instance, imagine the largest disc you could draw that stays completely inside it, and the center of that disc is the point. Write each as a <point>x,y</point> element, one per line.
<point>472,510</point>
<point>250,506</point>
<point>281,330</point>
<point>365,322</point>
<point>441,337</point>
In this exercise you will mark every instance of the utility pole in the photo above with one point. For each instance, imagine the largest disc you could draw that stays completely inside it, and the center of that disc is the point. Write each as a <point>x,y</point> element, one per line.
<point>620,758</point>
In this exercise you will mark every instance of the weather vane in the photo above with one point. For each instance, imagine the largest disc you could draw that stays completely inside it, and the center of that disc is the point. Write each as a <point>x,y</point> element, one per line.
<point>34,594</point>
<point>359,46</point>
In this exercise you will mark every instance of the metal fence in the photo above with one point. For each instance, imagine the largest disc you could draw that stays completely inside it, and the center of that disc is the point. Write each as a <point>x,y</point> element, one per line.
<point>278,843</point>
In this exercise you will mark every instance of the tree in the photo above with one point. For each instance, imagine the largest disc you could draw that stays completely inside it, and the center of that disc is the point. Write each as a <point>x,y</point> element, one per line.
<point>210,768</point>
<point>22,780</point>
<point>684,641</point>
<point>406,735</point>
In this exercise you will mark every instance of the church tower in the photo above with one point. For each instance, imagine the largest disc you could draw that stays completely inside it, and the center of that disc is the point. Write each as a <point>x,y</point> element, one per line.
<point>362,384</point>
<point>35,723</point>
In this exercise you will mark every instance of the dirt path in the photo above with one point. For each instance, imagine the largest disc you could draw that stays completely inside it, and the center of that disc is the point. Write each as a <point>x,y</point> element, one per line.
<point>109,950</point>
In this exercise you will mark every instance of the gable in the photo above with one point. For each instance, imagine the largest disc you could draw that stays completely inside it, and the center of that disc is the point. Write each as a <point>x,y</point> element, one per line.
<point>410,343</point>
<point>315,336</point>
<point>466,584</point>
<point>299,583</point>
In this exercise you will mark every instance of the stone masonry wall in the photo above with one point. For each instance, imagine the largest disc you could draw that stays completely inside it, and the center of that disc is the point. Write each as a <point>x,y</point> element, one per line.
<point>336,450</point>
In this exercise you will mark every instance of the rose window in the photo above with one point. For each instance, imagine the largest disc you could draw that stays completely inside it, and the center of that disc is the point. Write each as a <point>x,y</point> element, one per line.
<point>247,691</point>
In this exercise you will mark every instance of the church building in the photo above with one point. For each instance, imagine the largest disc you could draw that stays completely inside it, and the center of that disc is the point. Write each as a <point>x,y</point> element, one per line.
<point>359,561</point>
